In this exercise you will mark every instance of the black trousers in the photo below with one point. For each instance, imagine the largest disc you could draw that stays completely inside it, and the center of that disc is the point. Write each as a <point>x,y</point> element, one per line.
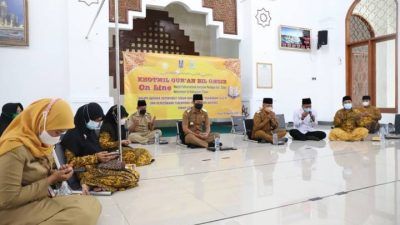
<point>297,135</point>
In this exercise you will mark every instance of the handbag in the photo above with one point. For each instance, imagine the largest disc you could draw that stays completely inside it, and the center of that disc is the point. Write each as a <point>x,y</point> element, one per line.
<point>114,164</point>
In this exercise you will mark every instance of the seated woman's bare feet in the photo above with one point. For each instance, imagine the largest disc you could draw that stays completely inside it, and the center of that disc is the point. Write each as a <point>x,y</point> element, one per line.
<point>98,189</point>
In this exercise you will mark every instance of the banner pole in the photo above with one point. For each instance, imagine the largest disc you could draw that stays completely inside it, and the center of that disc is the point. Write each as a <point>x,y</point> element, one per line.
<point>118,74</point>
<point>95,18</point>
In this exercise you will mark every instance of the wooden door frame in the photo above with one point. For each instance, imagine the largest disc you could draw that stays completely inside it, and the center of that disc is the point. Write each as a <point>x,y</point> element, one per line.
<point>371,58</point>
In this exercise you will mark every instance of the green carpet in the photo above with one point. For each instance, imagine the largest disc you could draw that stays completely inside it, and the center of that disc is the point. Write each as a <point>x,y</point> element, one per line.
<point>171,131</point>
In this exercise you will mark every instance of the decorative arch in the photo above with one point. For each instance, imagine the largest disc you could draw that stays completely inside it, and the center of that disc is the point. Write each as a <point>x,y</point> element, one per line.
<point>359,26</point>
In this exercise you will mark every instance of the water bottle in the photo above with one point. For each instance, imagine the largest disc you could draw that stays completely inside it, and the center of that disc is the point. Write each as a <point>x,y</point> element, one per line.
<point>217,144</point>
<point>274,138</point>
<point>157,138</point>
<point>178,139</point>
<point>382,132</point>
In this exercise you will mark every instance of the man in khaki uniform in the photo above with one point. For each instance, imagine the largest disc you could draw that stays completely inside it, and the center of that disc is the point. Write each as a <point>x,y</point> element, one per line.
<point>347,124</point>
<point>141,125</point>
<point>370,115</point>
<point>196,125</point>
<point>265,123</point>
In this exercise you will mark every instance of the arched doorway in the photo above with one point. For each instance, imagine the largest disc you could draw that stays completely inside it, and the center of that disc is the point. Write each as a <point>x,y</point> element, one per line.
<point>371,52</point>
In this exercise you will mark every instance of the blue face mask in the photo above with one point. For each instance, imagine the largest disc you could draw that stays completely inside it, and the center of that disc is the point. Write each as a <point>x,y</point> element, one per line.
<point>348,106</point>
<point>92,125</point>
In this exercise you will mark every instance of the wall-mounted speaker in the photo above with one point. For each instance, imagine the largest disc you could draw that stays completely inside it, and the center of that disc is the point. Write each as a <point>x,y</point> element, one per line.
<point>322,38</point>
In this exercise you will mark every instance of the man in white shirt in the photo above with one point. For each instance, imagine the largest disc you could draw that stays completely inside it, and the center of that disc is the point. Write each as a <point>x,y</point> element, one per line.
<point>305,121</point>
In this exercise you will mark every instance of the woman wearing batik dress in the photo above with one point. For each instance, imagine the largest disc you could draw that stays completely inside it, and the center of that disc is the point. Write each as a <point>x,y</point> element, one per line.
<point>82,150</point>
<point>109,139</point>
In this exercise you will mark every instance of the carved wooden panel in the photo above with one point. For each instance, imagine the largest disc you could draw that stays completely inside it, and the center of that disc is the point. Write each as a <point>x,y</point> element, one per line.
<point>223,10</point>
<point>124,7</point>
<point>157,33</point>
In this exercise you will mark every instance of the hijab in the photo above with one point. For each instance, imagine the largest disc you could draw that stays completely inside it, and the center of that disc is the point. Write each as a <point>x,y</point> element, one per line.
<point>25,129</point>
<point>8,113</point>
<point>110,124</point>
<point>81,140</point>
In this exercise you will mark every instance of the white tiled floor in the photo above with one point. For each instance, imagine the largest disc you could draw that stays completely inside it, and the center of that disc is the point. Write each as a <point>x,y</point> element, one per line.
<point>264,184</point>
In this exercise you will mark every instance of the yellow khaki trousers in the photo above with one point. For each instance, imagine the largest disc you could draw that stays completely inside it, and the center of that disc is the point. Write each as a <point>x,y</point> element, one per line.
<point>358,134</point>
<point>143,137</point>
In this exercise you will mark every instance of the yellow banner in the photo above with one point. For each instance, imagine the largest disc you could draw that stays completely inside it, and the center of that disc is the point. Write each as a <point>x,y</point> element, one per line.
<point>168,82</point>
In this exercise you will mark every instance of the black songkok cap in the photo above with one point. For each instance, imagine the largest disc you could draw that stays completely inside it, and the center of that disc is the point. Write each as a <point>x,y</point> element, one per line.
<point>306,101</point>
<point>268,101</point>
<point>141,103</point>
<point>366,97</point>
<point>346,98</point>
<point>197,97</point>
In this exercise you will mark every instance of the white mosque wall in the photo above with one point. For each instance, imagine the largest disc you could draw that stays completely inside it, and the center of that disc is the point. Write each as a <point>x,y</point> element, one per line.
<point>59,61</point>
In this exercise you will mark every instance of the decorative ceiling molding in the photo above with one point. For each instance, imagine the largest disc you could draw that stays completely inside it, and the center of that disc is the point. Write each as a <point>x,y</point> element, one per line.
<point>89,2</point>
<point>263,17</point>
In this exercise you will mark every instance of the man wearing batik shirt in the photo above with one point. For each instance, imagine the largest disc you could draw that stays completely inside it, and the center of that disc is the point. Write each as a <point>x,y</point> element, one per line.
<point>370,115</point>
<point>347,124</point>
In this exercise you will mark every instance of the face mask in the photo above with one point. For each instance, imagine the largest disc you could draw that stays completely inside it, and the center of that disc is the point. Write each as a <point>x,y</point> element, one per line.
<point>307,110</point>
<point>269,108</point>
<point>142,111</point>
<point>92,125</point>
<point>123,121</point>
<point>198,106</point>
<point>365,103</point>
<point>348,106</point>
<point>47,139</point>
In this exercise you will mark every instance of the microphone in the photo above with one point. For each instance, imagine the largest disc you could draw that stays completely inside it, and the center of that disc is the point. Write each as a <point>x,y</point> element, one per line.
<point>311,116</point>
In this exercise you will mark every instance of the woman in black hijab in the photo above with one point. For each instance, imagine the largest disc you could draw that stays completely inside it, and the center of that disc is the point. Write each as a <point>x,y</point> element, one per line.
<point>8,113</point>
<point>109,139</point>
<point>82,149</point>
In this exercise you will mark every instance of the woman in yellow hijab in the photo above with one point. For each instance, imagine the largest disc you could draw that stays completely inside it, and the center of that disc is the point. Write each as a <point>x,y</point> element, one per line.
<point>25,169</point>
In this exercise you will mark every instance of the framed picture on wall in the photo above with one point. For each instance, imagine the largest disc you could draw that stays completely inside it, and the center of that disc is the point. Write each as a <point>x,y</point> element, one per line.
<point>264,75</point>
<point>294,38</point>
<point>14,22</point>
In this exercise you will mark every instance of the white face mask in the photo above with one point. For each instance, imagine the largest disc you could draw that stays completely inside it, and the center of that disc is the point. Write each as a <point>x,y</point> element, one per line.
<point>92,125</point>
<point>307,110</point>
<point>348,106</point>
<point>366,103</point>
<point>45,137</point>
<point>123,121</point>
<point>269,108</point>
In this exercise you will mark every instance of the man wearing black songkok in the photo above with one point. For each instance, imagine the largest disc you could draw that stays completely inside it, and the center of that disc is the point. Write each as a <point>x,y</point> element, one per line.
<point>196,125</point>
<point>370,115</point>
<point>305,122</point>
<point>347,123</point>
<point>265,123</point>
<point>141,125</point>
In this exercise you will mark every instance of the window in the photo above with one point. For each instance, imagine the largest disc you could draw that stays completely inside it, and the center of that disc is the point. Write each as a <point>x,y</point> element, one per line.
<point>371,52</point>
